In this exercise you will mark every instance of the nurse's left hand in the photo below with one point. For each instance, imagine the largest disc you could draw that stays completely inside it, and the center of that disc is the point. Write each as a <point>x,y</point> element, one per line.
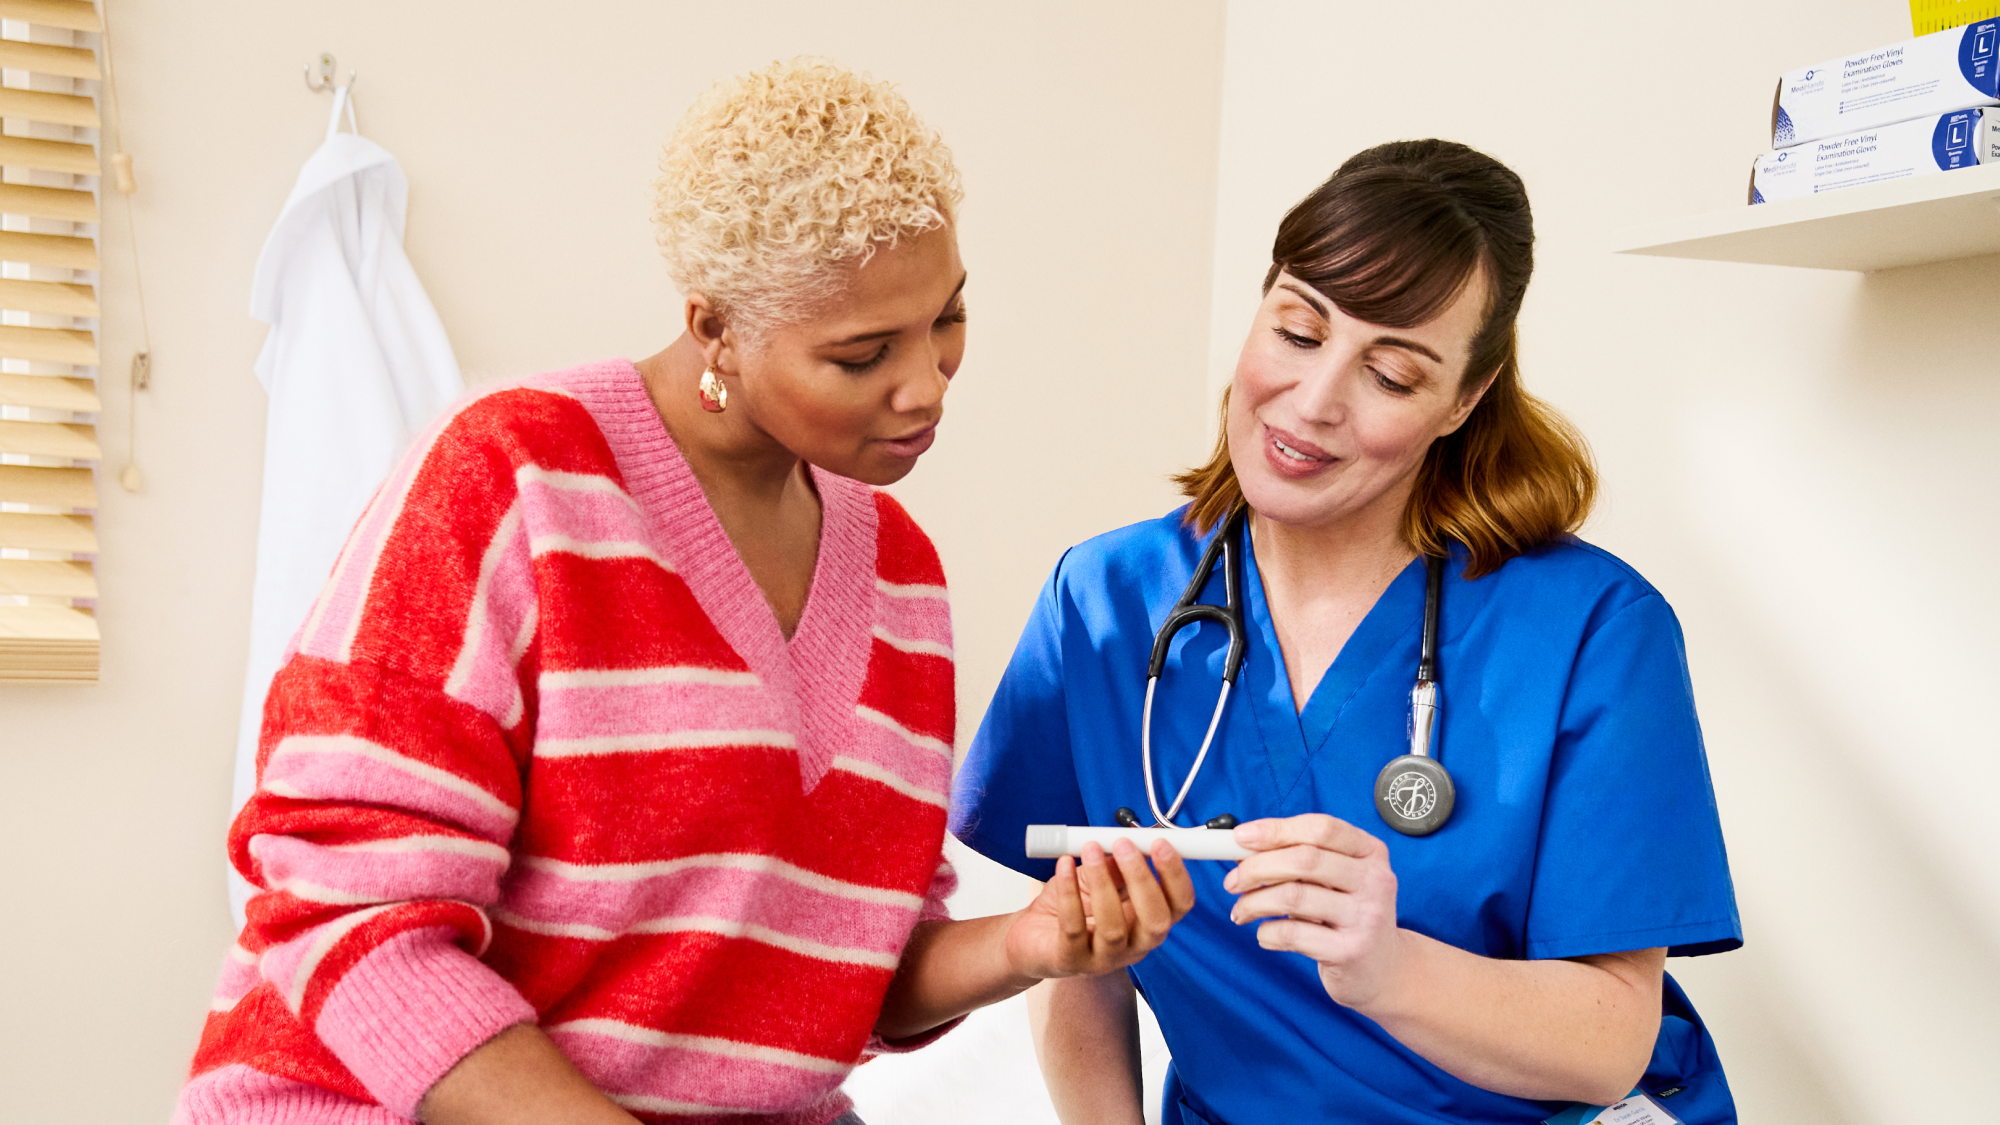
<point>1323,888</point>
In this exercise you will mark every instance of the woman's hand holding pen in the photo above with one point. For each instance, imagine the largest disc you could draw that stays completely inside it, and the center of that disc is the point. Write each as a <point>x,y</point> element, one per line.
<point>1104,913</point>
<point>1325,890</point>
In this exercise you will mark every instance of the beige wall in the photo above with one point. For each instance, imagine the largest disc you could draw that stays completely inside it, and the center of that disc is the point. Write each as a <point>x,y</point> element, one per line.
<point>1803,462</point>
<point>1086,135</point>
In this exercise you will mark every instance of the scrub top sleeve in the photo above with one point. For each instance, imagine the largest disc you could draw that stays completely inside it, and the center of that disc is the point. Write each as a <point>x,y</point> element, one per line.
<point>1019,770</point>
<point>1631,852</point>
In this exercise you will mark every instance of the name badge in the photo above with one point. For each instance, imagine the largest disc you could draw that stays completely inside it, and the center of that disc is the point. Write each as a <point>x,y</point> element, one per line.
<point>1638,1109</point>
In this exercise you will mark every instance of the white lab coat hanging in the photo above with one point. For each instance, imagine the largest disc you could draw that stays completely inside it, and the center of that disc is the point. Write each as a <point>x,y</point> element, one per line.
<point>356,365</point>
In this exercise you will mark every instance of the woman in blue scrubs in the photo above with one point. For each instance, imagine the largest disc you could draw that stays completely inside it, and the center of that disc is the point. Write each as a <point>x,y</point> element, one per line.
<point>1508,967</point>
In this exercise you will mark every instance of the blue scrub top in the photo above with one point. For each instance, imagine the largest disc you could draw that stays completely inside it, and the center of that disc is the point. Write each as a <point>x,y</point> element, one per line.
<point>1585,820</point>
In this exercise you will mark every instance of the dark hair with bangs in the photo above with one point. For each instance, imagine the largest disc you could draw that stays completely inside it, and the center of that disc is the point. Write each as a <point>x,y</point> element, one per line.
<point>1393,238</point>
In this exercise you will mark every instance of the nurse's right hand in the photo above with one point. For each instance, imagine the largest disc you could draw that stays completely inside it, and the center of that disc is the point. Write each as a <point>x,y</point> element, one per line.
<point>1102,914</point>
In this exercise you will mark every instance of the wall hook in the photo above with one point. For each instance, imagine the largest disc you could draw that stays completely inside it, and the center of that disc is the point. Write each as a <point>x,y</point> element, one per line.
<point>324,81</point>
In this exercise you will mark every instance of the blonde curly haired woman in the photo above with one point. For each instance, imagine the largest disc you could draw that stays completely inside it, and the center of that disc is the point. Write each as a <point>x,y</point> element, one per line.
<point>607,779</point>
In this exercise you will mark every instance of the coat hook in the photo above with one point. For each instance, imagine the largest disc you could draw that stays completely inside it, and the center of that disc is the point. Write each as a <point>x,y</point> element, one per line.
<point>325,81</point>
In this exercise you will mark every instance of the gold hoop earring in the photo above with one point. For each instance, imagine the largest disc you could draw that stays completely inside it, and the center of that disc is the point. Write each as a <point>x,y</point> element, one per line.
<point>714,396</point>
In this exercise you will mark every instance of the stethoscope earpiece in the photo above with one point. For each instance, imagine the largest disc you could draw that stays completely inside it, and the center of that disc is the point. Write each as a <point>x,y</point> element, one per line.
<point>1126,818</point>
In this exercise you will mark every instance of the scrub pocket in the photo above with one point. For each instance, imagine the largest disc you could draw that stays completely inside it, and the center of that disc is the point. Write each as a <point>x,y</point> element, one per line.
<point>1685,1077</point>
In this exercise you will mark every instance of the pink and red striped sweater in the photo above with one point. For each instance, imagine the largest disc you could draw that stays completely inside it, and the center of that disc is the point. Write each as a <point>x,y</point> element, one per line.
<point>542,754</point>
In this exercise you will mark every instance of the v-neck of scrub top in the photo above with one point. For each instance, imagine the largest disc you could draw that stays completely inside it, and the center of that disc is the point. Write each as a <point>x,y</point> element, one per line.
<point>1292,735</point>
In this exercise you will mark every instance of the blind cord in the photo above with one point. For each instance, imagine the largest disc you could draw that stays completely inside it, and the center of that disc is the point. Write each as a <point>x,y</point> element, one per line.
<point>121,161</point>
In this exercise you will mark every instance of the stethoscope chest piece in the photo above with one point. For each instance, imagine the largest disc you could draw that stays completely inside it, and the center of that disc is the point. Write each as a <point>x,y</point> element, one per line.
<point>1414,795</point>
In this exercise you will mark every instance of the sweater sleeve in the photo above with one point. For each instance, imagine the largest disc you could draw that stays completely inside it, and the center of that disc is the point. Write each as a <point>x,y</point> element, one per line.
<point>944,883</point>
<point>377,838</point>
<point>390,774</point>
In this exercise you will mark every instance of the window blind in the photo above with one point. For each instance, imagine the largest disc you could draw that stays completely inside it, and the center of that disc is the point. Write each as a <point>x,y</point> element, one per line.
<point>49,406</point>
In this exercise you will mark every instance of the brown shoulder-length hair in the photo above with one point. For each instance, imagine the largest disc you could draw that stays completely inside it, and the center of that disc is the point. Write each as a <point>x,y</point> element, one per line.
<point>1393,238</point>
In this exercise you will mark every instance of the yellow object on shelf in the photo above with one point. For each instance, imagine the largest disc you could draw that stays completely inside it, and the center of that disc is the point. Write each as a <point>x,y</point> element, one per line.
<point>1927,16</point>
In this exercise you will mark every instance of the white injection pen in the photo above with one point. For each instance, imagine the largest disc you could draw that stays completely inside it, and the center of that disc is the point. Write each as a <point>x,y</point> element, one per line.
<point>1046,841</point>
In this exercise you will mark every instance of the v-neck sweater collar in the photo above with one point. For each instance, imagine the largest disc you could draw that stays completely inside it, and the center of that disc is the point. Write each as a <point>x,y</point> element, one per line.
<point>816,676</point>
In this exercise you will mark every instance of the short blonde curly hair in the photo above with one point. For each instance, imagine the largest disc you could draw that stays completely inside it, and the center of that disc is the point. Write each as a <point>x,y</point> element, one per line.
<point>776,181</point>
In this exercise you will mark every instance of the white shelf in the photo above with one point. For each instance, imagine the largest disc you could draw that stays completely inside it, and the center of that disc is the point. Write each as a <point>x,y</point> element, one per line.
<point>1931,218</point>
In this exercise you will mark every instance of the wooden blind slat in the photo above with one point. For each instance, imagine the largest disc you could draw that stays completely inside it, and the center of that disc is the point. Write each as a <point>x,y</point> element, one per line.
<point>50,439</point>
<point>45,623</point>
<point>49,392</point>
<point>63,62</point>
<point>49,156</point>
<point>22,668</point>
<point>63,250</point>
<point>30,532</point>
<point>48,203</point>
<point>76,15</point>
<point>47,644</point>
<point>57,297</point>
<point>36,579</point>
<point>48,488</point>
<point>48,662</point>
<point>56,109</point>
<point>53,345</point>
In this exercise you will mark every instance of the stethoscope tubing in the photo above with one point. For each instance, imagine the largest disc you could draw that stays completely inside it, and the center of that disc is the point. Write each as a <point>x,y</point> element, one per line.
<point>1166,819</point>
<point>1187,611</point>
<point>1427,650</point>
<point>1190,610</point>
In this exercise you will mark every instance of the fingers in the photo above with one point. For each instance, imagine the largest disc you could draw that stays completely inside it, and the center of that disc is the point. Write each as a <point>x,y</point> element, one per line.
<point>1082,924</point>
<point>1304,852</point>
<point>1303,863</point>
<point>1316,871</point>
<point>1111,910</point>
<point>1314,829</point>
<point>1308,903</point>
<point>1311,884</point>
<point>1151,915</point>
<point>1107,911</point>
<point>1174,879</point>
<point>1291,935</point>
<point>1070,923</point>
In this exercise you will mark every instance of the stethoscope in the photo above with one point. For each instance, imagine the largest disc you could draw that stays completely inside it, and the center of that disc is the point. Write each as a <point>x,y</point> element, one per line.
<point>1413,793</point>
